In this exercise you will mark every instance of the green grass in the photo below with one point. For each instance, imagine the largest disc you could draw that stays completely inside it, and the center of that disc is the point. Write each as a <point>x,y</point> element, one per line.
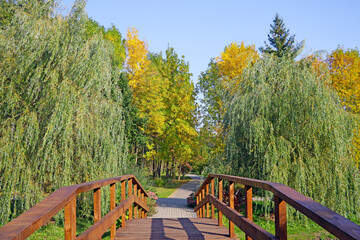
<point>164,189</point>
<point>53,231</point>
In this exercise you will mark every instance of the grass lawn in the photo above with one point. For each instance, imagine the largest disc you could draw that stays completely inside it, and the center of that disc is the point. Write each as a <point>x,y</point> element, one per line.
<point>163,189</point>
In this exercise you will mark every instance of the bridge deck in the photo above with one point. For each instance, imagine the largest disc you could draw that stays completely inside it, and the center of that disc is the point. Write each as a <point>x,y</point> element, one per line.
<point>173,228</point>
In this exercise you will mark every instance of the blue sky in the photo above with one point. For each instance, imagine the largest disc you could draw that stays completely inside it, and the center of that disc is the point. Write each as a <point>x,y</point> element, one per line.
<point>200,29</point>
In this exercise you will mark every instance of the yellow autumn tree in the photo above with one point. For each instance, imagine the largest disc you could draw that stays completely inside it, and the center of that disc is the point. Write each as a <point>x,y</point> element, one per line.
<point>345,78</point>
<point>145,83</point>
<point>233,61</point>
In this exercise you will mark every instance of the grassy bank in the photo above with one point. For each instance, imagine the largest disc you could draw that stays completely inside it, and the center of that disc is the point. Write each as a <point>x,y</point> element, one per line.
<point>164,188</point>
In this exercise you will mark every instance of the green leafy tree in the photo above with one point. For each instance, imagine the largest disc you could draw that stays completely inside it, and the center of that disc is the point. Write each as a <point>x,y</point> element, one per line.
<point>61,108</point>
<point>287,126</point>
<point>280,43</point>
<point>176,144</point>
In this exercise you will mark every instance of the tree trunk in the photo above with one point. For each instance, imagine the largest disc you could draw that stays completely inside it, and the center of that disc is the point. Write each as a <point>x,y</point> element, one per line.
<point>136,154</point>
<point>179,177</point>
<point>167,170</point>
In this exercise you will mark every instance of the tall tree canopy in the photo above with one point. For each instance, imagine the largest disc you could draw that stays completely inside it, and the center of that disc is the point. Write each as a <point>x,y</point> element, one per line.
<point>216,85</point>
<point>287,126</point>
<point>280,42</point>
<point>61,114</point>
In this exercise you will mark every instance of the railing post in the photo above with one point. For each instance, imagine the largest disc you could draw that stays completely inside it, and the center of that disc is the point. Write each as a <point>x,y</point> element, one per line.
<point>280,218</point>
<point>231,203</point>
<point>123,197</point>
<point>248,206</point>
<point>146,205</point>
<point>130,194</point>
<point>70,220</point>
<point>203,208</point>
<point>112,206</point>
<point>220,186</point>
<point>139,196</point>
<point>197,203</point>
<point>212,193</point>
<point>207,204</point>
<point>142,210</point>
<point>97,204</point>
<point>135,206</point>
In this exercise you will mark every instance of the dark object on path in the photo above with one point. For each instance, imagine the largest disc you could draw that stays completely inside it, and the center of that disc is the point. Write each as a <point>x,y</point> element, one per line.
<point>191,200</point>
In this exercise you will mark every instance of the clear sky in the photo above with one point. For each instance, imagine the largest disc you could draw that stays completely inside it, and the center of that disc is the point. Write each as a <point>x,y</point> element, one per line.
<point>200,29</point>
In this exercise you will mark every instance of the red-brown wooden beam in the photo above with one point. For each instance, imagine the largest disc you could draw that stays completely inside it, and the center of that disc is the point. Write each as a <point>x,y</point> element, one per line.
<point>280,218</point>
<point>70,220</point>
<point>97,204</point>
<point>248,206</point>
<point>207,205</point>
<point>212,193</point>
<point>135,206</point>
<point>231,203</point>
<point>112,206</point>
<point>220,186</point>
<point>130,194</point>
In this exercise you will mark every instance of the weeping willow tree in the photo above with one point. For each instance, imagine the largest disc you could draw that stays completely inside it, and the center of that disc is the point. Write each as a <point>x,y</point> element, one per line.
<point>61,118</point>
<point>286,126</point>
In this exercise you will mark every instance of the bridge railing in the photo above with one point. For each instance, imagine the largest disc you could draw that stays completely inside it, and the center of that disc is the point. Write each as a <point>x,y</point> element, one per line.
<point>334,223</point>
<point>65,197</point>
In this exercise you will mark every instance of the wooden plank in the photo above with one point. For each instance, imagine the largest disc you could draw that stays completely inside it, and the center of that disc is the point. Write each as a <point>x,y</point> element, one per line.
<point>143,200</point>
<point>135,206</point>
<point>173,228</point>
<point>123,197</point>
<point>102,225</point>
<point>207,205</point>
<point>232,206</point>
<point>200,199</point>
<point>112,206</point>
<point>97,204</point>
<point>70,220</point>
<point>220,185</point>
<point>146,205</point>
<point>130,193</point>
<point>247,226</point>
<point>248,206</point>
<point>212,193</point>
<point>139,211</point>
<point>197,202</point>
<point>204,207</point>
<point>280,218</point>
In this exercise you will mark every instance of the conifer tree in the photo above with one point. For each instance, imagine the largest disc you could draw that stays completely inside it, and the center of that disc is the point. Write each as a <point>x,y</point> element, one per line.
<point>280,42</point>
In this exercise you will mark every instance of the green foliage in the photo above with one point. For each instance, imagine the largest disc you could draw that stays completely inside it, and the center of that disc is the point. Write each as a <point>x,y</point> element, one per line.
<point>61,119</point>
<point>286,126</point>
<point>280,42</point>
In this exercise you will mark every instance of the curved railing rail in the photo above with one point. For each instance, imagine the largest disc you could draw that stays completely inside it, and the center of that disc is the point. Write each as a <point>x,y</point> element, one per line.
<point>336,224</point>
<point>65,197</point>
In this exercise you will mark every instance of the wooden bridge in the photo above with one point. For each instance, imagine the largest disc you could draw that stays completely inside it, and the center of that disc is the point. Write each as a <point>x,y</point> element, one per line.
<point>205,226</point>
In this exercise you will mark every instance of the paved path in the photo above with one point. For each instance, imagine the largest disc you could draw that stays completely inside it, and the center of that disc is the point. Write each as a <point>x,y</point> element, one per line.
<point>175,206</point>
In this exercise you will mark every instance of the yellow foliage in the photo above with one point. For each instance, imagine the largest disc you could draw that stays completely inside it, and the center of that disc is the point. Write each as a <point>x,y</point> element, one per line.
<point>137,63</point>
<point>145,83</point>
<point>233,61</point>
<point>345,77</point>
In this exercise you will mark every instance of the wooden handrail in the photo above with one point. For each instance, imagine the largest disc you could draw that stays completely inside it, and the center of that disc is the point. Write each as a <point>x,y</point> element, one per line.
<point>239,220</point>
<point>334,223</point>
<point>65,197</point>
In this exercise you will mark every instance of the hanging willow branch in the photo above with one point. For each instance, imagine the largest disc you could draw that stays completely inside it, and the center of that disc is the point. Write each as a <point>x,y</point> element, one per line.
<point>286,126</point>
<point>61,109</point>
